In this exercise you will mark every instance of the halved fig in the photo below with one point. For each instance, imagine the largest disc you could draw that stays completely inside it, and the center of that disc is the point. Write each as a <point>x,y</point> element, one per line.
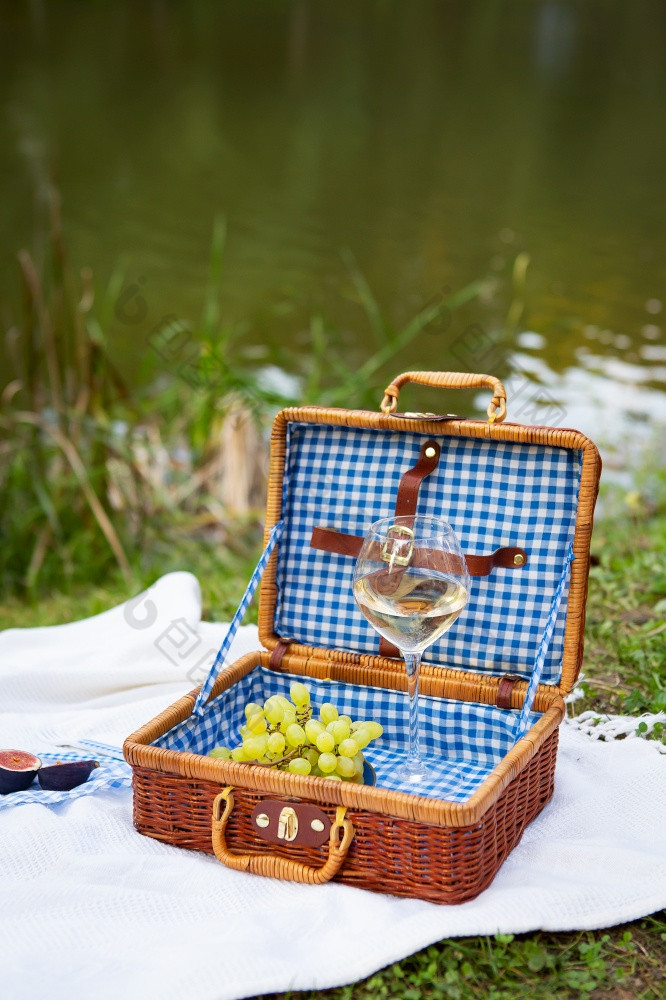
<point>17,770</point>
<point>64,777</point>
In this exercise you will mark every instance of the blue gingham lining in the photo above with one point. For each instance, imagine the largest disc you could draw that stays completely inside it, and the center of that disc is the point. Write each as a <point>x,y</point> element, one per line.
<point>494,493</point>
<point>461,742</point>
<point>109,774</point>
<point>522,723</point>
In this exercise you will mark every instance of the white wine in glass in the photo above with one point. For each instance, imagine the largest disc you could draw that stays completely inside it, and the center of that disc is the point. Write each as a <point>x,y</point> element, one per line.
<point>411,583</point>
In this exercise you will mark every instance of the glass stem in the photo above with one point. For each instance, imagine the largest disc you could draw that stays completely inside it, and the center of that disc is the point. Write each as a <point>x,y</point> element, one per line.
<point>413,665</point>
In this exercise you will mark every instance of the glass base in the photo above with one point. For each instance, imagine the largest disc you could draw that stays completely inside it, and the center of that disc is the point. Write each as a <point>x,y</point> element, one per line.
<point>412,772</point>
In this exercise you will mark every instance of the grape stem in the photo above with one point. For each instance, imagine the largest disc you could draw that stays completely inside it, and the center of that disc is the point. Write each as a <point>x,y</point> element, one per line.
<point>273,763</point>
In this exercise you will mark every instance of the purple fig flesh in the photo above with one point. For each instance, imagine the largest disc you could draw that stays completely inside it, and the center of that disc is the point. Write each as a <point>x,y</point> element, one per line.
<point>17,770</point>
<point>64,777</point>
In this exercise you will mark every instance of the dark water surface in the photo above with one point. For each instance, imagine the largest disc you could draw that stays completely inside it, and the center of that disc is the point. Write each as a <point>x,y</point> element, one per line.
<point>434,140</point>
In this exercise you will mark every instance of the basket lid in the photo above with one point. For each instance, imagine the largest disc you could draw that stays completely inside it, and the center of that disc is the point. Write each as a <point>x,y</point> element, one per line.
<point>501,486</point>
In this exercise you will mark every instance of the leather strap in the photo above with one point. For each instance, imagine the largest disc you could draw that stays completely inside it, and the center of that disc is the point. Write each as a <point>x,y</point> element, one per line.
<point>408,491</point>
<point>277,653</point>
<point>330,540</point>
<point>508,557</point>
<point>387,648</point>
<point>504,689</point>
<point>405,506</point>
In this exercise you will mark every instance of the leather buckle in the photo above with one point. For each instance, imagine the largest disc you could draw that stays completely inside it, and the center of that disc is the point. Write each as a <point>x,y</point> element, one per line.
<point>392,555</point>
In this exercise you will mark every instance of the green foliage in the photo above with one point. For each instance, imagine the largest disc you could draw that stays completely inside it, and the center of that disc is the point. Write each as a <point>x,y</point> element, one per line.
<point>223,568</point>
<point>625,652</point>
<point>626,962</point>
<point>56,432</point>
<point>330,381</point>
<point>92,477</point>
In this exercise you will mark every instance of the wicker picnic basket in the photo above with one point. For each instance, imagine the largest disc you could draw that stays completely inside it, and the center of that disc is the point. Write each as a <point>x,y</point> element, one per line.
<point>521,499</point>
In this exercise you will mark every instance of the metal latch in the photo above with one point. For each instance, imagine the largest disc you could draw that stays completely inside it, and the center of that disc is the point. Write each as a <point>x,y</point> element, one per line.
<point>287,824</point>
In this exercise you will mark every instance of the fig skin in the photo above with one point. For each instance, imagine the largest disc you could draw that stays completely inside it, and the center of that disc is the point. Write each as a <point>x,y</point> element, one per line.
<point>17,770</point>
<point>64,777</point>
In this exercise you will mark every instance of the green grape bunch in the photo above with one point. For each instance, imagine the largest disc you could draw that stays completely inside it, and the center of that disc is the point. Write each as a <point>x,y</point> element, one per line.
<point>286,735</point>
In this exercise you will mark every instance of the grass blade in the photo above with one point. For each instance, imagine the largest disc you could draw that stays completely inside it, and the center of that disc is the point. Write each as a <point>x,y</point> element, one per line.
<point>79,470</point>
<point>370,305</point>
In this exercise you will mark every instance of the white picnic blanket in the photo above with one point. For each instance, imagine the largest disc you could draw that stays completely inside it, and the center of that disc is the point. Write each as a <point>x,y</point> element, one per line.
<point>88,908</point>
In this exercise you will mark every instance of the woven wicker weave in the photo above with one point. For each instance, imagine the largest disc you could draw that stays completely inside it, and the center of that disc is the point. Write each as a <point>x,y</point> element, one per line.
<point>391,841</point>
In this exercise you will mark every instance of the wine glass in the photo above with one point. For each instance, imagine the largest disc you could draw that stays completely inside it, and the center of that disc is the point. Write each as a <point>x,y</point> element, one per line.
<point>411,583</point>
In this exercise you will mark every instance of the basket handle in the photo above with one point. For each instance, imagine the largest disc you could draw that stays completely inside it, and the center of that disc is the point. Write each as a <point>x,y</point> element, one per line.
<point>272,865</point>
<point>449,380</point>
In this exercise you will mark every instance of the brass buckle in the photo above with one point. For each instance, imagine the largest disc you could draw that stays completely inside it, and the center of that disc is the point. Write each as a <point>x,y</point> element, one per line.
<point>287,824</point>
<point>391,555</point>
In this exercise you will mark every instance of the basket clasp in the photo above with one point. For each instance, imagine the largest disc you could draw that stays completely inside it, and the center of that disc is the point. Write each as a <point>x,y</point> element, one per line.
<point>287,824</point>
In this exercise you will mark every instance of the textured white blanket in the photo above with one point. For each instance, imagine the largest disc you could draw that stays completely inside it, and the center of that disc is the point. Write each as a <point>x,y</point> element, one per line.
<point>88,908</point>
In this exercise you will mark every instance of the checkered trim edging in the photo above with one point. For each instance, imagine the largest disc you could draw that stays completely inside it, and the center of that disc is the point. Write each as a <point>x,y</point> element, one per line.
<point>461,742</point>
<point>494,493</point>
<point>523,722</point>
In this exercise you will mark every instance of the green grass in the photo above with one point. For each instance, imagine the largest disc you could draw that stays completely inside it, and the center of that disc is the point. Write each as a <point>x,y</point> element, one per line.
<point>625,963</point>
<point>223,566</point>
<point>625,671</point>
<point>625,649</point>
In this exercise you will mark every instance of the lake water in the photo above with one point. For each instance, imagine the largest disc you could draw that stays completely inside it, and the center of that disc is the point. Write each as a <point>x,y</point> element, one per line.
<point>433,141</point>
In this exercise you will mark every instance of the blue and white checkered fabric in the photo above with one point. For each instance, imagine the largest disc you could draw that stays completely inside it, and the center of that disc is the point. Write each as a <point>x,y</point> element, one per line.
<point>494,494</point>
<point>110,774</point>
<point>462,742</point>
